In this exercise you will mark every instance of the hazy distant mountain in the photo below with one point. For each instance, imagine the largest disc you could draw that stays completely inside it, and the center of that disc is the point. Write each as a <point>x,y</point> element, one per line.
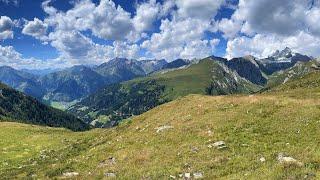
<point>21,81</point>
<point>78,81</point>
<point>16,106</point>
<point>11,75</point>
<point>41,72</point>
<point>120,69</point>
<point>71,83</point>
<point>150,66</point>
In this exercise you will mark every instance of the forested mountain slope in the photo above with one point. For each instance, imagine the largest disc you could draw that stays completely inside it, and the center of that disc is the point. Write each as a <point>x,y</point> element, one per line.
<point>17,107</point>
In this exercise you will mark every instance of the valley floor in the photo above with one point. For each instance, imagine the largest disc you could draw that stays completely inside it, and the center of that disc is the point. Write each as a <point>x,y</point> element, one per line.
<point>178,138</point>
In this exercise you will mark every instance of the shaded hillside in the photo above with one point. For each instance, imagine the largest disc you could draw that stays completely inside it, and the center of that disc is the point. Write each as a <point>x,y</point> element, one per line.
<point>15,106</point>
<point>248,68</point>
<point>117,102</point>
<point>225,81</point>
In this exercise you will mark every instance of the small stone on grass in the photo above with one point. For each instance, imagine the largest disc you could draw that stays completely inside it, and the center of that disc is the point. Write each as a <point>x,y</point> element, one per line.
<point>109,174</point>
<point>197,175</point>
<point>70,174</point>
<point>287,160</point>
<point>162,128</point>
<point>187,175</point>
<point>218,145</point>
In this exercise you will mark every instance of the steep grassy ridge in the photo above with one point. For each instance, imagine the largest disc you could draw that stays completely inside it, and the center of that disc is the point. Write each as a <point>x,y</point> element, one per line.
<point>297,71</point>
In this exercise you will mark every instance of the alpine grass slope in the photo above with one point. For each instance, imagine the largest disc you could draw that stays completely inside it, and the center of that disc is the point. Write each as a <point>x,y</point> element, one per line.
<point>270,135</point>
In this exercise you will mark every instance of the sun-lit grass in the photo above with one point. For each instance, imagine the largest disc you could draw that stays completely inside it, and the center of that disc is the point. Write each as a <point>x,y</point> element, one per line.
<point>252,126</point>
<point>61,105</point>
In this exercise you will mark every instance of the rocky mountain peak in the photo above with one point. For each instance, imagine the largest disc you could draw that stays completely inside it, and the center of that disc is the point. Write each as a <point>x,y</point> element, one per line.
<point>285,53</point>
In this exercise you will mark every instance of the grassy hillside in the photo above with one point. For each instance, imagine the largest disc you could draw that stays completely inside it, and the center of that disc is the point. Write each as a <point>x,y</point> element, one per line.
<point>18,107</point>
<point>307,86</point>
<point>181,82</point>
<point>119,101</point>
<point>177,138</point>
<point>298,70</point>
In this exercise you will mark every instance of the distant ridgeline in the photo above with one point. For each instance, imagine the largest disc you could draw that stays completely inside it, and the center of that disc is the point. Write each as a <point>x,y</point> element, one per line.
<point>66,85</point>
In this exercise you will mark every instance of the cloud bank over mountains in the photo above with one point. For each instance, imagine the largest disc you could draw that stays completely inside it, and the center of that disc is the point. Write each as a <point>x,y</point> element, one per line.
<point>168,30</point>
<point>258,27</point>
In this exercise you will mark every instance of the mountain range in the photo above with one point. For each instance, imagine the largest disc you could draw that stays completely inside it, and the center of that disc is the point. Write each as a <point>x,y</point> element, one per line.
<point>120,88</point>
<point>78,81</point>
<point>119,101</point>
<point>259,120</point>
<point>212,76</point>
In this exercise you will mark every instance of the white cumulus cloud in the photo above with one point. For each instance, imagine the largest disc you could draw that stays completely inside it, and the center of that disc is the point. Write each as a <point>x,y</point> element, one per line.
<point>6,26</point>
<point>200,9</point>
<point>10,57</point>
<point>105,20</point>
<point>183,36</point>
<point>36,28</point>
<point>146,15</point>
<point>174,37</point>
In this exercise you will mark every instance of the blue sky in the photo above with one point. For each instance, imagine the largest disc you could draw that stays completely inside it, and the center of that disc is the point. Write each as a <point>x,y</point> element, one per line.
<point>29,46</point>
<point>56,33</point>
